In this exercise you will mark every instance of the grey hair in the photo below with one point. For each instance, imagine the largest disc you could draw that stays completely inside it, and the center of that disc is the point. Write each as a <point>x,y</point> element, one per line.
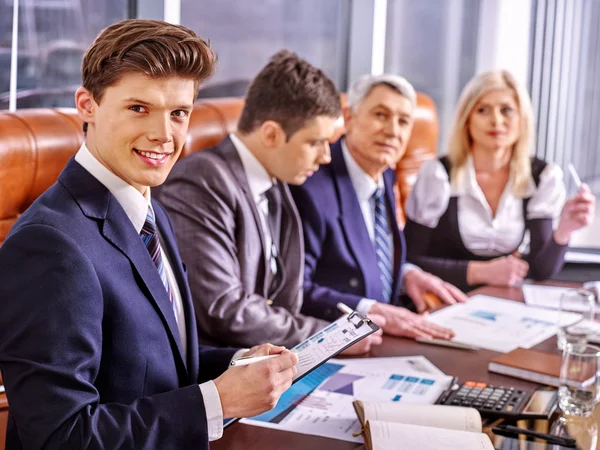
<point>362,87</point>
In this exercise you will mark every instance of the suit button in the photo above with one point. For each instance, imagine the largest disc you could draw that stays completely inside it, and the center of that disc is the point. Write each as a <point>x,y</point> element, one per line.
<point>353,282</point>
<point>269,302</point>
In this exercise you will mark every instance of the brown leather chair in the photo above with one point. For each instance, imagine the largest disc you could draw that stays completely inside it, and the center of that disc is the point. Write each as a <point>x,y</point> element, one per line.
<point>35,145</point>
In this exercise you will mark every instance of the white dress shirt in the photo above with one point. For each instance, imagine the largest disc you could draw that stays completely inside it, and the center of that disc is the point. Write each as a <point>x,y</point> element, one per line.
<point>260,182</point>
<point>484,233</point>
<point>136,206</point>
<point>365,187</point>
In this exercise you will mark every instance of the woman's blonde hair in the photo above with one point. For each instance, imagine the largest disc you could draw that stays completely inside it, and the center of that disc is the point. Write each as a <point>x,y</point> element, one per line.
<point>460,141</point>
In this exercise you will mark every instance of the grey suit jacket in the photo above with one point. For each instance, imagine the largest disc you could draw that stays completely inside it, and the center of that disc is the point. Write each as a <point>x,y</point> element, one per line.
<point>221,240</point>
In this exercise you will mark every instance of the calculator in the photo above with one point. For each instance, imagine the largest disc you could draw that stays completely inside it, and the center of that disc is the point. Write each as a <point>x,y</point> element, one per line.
<point>500,401</point>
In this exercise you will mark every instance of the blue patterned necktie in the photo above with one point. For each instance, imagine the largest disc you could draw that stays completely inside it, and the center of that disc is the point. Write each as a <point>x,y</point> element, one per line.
<point>149,235</point>
<point>383,250</point>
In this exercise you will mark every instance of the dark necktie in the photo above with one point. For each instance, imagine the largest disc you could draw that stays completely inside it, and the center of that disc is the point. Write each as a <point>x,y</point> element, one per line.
<point>273,196</point>
<point>149,235</point>
<point>384,253</point>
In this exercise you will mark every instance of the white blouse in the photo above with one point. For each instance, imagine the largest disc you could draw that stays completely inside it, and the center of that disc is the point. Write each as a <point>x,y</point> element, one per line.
<point>482,233</point>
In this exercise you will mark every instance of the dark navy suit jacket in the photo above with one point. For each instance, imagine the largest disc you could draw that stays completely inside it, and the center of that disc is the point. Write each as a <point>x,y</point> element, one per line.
<point>89,348</point>
<point>340,260</point>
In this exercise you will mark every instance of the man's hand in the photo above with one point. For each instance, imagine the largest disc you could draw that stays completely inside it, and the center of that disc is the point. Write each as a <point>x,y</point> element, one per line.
<point>259,384</point>
<point>577,213</point>
<point>417,282</point>
<point>364,346</point>
<point>402,322</point>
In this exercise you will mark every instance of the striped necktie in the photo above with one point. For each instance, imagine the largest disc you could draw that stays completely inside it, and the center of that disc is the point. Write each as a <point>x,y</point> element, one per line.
<point>150,238</point>
<point>383,248</point>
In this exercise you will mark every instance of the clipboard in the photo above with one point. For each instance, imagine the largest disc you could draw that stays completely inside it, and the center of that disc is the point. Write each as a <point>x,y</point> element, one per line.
<point>327,343</point>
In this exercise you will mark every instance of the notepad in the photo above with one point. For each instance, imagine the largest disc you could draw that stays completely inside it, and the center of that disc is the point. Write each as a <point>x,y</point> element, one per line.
<point>420,427</point>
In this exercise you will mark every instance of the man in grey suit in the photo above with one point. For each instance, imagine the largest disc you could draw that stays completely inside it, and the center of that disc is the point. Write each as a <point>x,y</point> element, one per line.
<point>237,225</point>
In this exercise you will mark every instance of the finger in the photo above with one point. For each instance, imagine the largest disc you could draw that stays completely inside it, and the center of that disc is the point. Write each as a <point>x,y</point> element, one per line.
<point>439,332</point>
<point>378,319</point>
<point>284,361</point>
<point>416,332</point>
<point>459,295</point>
<point>260,350</point>
<point>444,294</point>
<point>418,302</point>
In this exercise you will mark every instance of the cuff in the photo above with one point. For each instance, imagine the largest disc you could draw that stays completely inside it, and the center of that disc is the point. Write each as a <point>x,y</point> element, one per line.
<point>214,411</point>
<point>406,267</point>
<point>364,306</point>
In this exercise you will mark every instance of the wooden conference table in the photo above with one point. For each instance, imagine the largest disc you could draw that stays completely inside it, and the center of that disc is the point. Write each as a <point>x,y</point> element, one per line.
<point>466,365</point>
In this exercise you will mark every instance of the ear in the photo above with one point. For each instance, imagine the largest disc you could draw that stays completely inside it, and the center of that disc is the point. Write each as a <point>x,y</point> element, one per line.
<point>272,135</point>
<point>348,115</point>
<point>85,104</point>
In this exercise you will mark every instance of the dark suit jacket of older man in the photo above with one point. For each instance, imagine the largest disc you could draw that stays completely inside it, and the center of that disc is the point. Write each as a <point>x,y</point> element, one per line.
<point>341,263</point>
<point>222,242</point>
<point>89,346</point>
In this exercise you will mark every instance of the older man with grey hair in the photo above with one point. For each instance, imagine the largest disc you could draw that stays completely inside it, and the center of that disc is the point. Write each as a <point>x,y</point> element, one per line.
<point>354,249</point>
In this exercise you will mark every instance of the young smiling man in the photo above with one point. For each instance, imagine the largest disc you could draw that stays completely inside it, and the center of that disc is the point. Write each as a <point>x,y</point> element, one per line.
<point>238,227</point>
<point>355,252</point>
<point>98,342</point>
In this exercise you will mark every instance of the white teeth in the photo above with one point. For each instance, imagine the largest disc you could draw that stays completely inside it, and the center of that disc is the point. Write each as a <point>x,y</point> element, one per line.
<point>152,155</point>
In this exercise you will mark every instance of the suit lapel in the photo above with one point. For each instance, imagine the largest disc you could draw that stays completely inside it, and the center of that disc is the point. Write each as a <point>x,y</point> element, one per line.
<point>170,246</point>
<point>353,224</point>
<point>229,153</point>
<point>97,202</point>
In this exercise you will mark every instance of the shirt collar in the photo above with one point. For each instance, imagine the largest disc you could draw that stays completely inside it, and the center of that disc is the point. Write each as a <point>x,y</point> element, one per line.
<point>131,200</point>
<point>363,184</point>
<point>258,178</point>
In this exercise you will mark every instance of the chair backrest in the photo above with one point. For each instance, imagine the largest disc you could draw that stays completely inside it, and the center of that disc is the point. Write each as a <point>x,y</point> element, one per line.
<point>36,144</point>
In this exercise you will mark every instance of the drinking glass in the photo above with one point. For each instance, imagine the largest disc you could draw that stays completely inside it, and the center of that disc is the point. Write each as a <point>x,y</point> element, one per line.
<point>580,301</point>
<point>579,393</point>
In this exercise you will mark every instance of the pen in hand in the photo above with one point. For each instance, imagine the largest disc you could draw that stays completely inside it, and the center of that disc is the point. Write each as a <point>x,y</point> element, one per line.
<point>575,176</point>
<point>344,308</point>
<point>244,361</point>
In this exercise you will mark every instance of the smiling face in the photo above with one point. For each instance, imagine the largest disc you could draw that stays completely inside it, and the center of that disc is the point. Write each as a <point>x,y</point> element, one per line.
<point>295,159</point>
<point>139,127</point>
<point>495,121</point>
<point>379,129</point>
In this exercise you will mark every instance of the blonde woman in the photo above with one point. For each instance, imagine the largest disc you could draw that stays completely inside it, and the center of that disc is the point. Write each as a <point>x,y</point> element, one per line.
<point>484,214</point>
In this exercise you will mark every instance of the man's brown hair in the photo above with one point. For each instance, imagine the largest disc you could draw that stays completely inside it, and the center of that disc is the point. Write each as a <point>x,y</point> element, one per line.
<point>152,47</point>
<point>291,92</point>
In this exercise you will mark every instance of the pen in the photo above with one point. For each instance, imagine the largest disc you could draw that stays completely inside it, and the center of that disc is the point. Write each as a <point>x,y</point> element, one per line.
<point>451,388</point>
<point>344,308</point>
<point>512,431</point>
<point>576,178</point>
<point>250,360</point>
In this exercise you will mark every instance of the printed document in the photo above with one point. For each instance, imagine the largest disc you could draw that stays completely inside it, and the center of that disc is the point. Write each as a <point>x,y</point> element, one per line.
<point>321,402</point>
<point>500,325</point>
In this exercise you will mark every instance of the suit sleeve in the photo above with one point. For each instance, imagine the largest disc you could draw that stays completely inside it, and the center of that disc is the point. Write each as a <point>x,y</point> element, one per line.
<point>203,209</point>
<point>319,301</point>
<point>51,334</point>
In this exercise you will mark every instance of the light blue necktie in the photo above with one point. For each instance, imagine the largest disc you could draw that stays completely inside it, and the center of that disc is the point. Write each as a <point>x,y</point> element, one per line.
<point>384,252</point>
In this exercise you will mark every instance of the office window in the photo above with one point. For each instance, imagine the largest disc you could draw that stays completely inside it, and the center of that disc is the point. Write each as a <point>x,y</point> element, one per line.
<point>433,43</point>
<point>246,33</point>
<point>6,12</point>
<point>53,35</point>
<point>565,85</point>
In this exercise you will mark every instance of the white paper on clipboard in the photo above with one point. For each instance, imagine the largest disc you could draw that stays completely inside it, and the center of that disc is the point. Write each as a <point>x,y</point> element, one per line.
<point>331,340</point>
